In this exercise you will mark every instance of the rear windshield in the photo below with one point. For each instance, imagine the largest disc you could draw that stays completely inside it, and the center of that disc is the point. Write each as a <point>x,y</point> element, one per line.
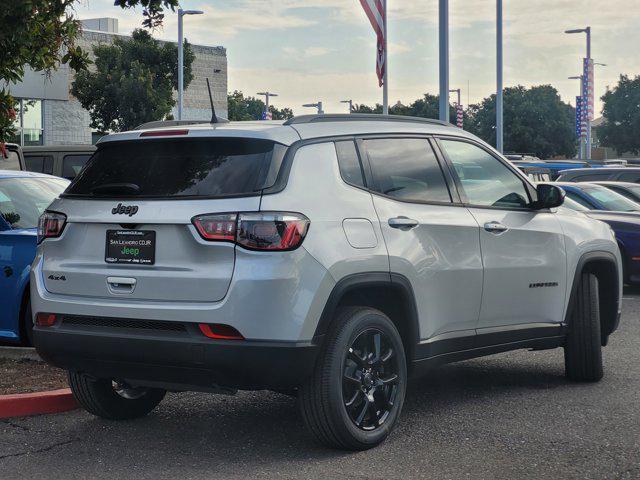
<point>22,200</point>
<point>219,167</point>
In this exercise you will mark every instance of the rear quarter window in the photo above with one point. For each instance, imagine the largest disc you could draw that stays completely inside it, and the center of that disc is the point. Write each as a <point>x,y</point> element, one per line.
<point>177,168</point>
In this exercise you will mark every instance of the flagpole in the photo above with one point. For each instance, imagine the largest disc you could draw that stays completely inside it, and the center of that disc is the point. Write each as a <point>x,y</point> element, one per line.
<point>385,86</point>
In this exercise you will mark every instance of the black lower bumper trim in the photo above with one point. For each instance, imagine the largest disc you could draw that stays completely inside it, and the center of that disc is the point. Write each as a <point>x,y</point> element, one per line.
<point>178,362</point>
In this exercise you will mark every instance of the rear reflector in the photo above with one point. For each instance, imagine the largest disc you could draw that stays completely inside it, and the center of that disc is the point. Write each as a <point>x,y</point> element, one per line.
<point>46,319</point>
<point>164,133</point>
<point>220,331</point>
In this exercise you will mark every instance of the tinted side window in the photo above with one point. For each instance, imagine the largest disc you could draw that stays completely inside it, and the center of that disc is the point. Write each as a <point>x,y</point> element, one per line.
<point>407,169</point>
<point>72,164</point>
<point>485,180</point>
<point>39,163</point>
<point>349,163</point>
<point>589,177</point>
<point>629,177</point>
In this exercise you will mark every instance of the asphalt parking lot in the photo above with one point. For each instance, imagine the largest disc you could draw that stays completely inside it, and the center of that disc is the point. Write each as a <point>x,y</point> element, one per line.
<point>508,416</point>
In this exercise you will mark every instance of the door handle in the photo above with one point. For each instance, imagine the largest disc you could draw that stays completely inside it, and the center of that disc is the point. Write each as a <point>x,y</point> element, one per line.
<point>403,223</point>
<point>495,227</point>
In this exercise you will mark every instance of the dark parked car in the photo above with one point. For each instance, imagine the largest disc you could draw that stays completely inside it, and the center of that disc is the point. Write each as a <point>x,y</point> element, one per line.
<point>60,160</point>
<point>629,190</point>
<point>597,197</point>
<point>617,174</point>
<point>626,227</point>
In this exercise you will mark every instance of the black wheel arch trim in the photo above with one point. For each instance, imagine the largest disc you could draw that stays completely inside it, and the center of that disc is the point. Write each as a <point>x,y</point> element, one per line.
<point>610,310</point>
<point>370,280</point>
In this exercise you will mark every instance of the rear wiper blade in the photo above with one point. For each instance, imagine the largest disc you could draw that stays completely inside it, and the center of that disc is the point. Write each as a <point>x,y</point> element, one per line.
<point>116,188</point>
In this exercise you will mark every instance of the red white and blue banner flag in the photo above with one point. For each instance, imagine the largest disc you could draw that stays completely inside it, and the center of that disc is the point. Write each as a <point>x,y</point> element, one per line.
<point>267,115</point>
<point>459,116</point>
<point>587,89</point>
<point>376,13</point>
<point>578,116</point>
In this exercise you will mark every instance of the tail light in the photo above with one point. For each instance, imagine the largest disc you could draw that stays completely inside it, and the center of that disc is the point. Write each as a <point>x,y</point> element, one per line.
<point>271,231</point>
<point>51,225</point>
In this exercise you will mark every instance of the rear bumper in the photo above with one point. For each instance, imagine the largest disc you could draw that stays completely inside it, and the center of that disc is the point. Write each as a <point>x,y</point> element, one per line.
<point>176,360</point>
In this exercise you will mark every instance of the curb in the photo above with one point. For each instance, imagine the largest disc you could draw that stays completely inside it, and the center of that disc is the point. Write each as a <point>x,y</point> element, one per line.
<point>37,403</point>
<point>19,353</point>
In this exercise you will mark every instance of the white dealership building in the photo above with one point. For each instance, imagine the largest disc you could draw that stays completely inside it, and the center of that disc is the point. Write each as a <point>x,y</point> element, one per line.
<point>50,115</point>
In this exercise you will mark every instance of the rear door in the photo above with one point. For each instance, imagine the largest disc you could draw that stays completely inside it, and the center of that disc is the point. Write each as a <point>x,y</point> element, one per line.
<point>129,212</point>
<point>523,250</point>
<point>431,238</point>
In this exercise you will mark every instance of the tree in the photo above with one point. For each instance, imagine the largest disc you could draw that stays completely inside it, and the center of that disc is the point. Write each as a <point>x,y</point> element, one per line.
<point>621,111</point>
<point>536,121</point>
<point>243,108</point>
<point>425,107</point>
<point>133,82</point>
<point>41,34</point>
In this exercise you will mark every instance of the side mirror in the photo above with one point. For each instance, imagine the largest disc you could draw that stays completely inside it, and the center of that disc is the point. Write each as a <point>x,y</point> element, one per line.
<point>549,196</point>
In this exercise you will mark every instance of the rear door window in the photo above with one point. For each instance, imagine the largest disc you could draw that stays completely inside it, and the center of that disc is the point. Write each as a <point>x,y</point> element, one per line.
<point>406,169</point>
<point>39,163</point>
<point>203,167</point>
<point>72,164</point>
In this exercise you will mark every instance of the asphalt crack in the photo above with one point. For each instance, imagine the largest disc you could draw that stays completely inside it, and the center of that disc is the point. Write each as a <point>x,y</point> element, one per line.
<point>40,450</point>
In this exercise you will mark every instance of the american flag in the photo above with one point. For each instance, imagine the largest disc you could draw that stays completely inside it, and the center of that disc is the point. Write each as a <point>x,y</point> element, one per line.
<point>375,10</point>
<point>267,115</point>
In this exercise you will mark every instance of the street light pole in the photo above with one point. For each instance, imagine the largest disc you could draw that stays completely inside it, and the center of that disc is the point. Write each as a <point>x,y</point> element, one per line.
<point>267,95</point>
<point>350,102</point>
<point>315,105</point>
<point>499,81</point>
<point>182,13</point>
<point>443,31</point>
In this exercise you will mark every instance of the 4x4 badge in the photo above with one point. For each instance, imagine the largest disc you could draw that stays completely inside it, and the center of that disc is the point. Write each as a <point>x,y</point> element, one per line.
<point>130,210</point>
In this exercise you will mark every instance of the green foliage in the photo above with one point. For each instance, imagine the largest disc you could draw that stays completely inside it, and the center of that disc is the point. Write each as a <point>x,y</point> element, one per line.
<point>42,34</point>
<point>536,121</point>
<point>425,107</point>
<point>621,112</point>
<point>243,108</point>
<point>133,82</point>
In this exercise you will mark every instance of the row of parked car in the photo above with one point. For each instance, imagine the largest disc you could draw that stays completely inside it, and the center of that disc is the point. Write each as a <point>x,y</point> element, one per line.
<point>607,190</point>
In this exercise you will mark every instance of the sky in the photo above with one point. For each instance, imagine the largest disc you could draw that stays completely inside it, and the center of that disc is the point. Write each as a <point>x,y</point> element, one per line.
<point>310,50</point>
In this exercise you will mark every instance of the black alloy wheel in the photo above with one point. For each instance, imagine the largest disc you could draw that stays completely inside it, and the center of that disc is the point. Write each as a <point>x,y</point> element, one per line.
<point>370,379</point>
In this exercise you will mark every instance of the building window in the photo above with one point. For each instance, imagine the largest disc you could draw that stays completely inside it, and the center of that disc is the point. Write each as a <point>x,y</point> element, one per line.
<point>28,123</point>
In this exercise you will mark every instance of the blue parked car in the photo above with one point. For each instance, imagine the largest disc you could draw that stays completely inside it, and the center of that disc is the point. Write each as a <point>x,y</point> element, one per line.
<point>23,198</point>
<point>620,213</point>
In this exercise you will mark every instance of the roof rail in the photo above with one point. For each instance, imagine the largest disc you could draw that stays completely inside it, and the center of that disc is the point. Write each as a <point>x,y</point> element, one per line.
<point>360,117</point>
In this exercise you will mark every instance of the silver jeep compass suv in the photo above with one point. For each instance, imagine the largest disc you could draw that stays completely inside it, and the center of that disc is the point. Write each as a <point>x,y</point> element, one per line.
<point>328,257</point>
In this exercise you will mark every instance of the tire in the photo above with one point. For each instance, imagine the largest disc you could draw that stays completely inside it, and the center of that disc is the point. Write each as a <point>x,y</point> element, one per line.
<point>100,398</point>
<point>27,326</point>
<point>350,369</point>
<point>583,348</point>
